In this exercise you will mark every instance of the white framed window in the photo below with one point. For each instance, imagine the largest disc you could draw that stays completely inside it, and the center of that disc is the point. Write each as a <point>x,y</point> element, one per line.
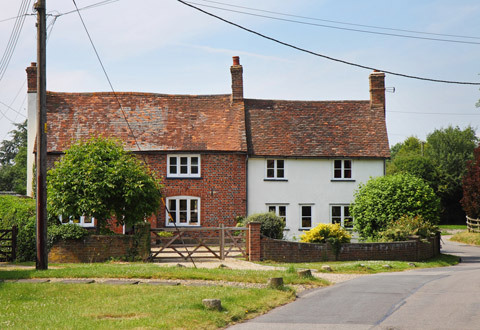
<point>341,214</point>
<point>275,169</point>
<point>342,169</point>
<point>306,215</point>
<point>83,221</point>
<point>280,210</point>
<point>183,166</point>
<point>184,211</point>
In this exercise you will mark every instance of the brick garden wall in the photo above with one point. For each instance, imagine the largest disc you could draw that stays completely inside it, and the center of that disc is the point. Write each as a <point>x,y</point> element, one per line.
<point>100,248</point>
<point>286,251</point>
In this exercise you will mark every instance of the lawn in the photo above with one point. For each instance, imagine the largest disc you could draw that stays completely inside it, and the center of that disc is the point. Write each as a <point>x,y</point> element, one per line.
<point>100,306</point>
<point>451,229</point>
<point>371,267</point>
<point>153,271</point>
<point>467,238</point>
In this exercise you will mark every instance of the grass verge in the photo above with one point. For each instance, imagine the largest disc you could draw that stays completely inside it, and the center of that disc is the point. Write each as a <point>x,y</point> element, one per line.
<point>467,238</point>
<point>153,271</point>
<point>97,306</point>
<point>451,229</point>
<point>371,267</point>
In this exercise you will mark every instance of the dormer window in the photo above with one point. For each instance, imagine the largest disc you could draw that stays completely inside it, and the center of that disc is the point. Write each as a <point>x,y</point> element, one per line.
<point>183,166</point>
<point>275,169</point>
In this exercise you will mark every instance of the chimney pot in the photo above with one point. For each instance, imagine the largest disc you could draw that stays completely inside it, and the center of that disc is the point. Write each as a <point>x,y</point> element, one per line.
<point>236,60</point>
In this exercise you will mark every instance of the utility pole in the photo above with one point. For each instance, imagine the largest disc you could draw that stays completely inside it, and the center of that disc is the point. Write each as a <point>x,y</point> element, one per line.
<point>41,156</point>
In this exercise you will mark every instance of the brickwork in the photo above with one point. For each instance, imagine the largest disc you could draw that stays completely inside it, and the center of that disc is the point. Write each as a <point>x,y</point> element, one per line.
<point>253,242</point>
<point>99,248</point>
<point>377,90</point>
<point>237,80</point>
<point>221,188</point>
<point>32,78</point>
<point>286,251</point>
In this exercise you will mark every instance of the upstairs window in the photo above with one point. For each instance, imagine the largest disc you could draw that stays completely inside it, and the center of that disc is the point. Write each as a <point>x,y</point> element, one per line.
<point>279,210</point>
<point>275,169</point>
<point>342,169</point>
<point>341,214</point>
<point>184,211</point>
<point>183,166</point>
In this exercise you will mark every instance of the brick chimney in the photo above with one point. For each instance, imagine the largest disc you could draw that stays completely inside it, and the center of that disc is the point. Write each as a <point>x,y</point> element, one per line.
<point>237,80</point>
<point>32,78</point>
<point>377,89</point>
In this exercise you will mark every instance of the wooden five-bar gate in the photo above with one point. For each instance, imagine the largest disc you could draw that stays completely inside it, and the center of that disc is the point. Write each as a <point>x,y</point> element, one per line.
<point>8,244</point>
<point>202,242</point>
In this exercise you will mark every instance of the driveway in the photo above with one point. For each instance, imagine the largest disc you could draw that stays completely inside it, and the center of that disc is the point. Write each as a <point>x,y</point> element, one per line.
<point>439,298</point>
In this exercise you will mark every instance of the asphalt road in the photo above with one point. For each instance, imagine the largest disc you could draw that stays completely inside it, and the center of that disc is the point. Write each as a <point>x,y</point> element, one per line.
<point>439,298</point>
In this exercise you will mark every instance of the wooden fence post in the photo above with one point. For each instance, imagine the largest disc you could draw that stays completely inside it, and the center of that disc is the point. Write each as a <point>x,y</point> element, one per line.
<point>222,241</point>
<point>14,242</point>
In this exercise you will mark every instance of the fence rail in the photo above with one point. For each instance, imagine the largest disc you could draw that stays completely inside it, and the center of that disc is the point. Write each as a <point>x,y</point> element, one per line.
<point>8,244</point>
<point>473,225</point>
<point>203,242</point>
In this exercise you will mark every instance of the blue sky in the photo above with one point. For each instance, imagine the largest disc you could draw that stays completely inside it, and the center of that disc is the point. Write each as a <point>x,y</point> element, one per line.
<point>166,47</point>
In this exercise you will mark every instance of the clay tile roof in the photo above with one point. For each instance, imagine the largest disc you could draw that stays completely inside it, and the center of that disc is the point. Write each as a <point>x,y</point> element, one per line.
<point>159,122</point>
<point>316,129</point>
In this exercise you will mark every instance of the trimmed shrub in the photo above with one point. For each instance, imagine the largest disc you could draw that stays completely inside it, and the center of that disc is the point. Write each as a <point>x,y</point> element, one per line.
<point>385,199</point>
<point>324,233</point>
<point>64,232</point>
<point>406,226</point>
<point>271,225</point>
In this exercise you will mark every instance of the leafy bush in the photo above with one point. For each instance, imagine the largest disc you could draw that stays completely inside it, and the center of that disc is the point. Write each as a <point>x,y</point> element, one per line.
<point>385,199</point>
<point>21,212</point>
<point>406,226</point>
<point>65,231</point>
<point>271,225</point>
<point>471,187</point>
<point>324,233</point>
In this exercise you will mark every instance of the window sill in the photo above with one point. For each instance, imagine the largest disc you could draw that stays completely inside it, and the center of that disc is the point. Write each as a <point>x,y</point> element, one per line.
<point>182,226</point>
<point>342,180</point>
<point>281,180</point>
<point>184,177</point>
<point>304,229</point>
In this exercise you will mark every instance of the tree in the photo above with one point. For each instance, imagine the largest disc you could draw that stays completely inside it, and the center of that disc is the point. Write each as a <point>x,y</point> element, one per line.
<point>471,187</point>
<point>450,149</point>
<point>13,161</point>
<point>98,178</point>
<point>385,199</point>
<point>417,165</point>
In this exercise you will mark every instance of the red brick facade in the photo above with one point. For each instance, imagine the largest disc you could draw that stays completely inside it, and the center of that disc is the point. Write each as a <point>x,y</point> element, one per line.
<point>221,187</point>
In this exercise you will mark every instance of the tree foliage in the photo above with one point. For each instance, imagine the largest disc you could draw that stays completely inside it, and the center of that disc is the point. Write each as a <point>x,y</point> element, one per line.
<point>471,187</point>
<point>98,178</point>
<point>416,165</point>
<point>450,149</point>
<point>13,161</point>
<point>385,199</point>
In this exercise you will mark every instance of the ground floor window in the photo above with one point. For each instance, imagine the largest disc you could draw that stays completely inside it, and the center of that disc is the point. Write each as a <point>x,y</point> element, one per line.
<point>82,221</point>
<point>184,211</point>
<point>279,210</point>
<point>306,212</point>
<point>341,214</point>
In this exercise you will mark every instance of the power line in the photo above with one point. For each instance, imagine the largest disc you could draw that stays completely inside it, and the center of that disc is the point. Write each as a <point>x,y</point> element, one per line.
<point>14,36</point>
<point>343,23</point>
<point>339,28</point>
<point>325,56</point>
<point>108,78</point>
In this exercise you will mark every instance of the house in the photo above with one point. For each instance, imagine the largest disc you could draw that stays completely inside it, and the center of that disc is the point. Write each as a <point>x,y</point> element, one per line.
<point>223,156</point>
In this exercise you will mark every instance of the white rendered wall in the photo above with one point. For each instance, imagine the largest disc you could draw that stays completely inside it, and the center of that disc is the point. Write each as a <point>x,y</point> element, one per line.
<point>31,134</point>
<point>309,181</point>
